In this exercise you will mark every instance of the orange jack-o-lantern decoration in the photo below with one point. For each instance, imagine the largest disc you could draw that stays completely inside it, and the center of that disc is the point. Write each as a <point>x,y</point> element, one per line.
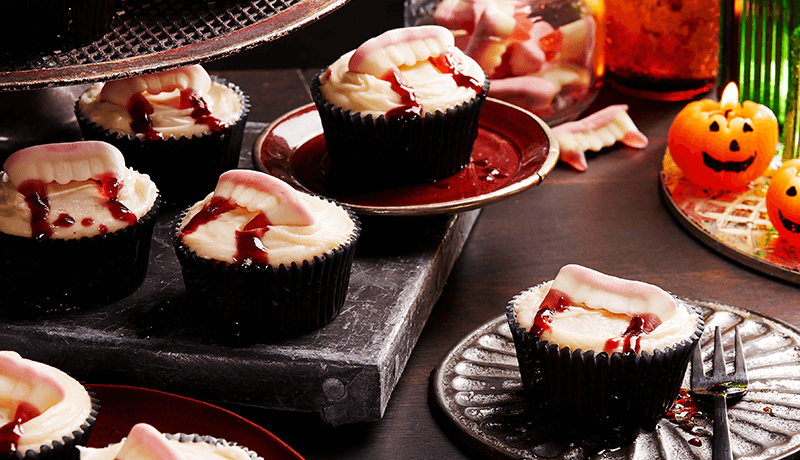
<point>783,201</point>
<point>723,145</point>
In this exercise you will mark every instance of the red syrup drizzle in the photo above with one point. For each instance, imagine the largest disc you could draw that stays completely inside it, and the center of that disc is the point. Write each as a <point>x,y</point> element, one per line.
<point>249,248</point>
<point>410,107</point>
<point>35,193</point>
<point>640,325</point>
<point>554,302</point>
<point>11,432</point>
<point>140,109</point>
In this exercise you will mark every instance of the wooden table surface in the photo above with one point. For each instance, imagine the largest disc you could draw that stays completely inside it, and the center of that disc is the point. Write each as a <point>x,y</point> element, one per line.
<point>610,218</point>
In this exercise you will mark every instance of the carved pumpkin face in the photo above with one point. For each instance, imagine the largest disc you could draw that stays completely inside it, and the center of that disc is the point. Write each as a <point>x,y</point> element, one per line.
<point>783,201</point>
<point>723,145</point>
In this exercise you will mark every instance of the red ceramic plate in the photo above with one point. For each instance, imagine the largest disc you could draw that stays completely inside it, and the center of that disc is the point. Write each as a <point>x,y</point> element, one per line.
<point>514,151</point>
<point>121,407</point>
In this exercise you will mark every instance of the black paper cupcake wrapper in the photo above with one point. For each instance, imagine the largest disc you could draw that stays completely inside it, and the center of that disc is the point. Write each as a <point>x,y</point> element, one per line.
<point>65,448</point>
<point>577,394</point>
<point>248,304</point>
<point>182,437</point>
<point>368,153</point>
<point>59,274</point>
<point>183,168</point>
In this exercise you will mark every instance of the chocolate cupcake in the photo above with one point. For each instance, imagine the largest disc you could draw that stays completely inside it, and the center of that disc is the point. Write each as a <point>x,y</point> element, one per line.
<point>75,227</point>
<point>49,412</point>
<point>262,261</point>
<point>182,127</point>
<point>402,109</point>
<point>601,357</point>
<point>145,441</point>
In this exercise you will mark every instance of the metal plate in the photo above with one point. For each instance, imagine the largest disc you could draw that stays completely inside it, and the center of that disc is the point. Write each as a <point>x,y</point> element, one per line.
<point>477,391</point>
<point>154,35</point>
<point>525,136</point>
<point>734,224</point>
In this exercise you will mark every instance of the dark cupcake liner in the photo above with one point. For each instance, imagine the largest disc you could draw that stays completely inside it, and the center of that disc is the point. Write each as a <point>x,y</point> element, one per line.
<point>576,394</point>
<point>257,303</point>
<point>184,168</point>
<point>34,26</point>
<point>59,274</point>
<point>65,448</point>
<point>368,153</point>
<point>182,437</point>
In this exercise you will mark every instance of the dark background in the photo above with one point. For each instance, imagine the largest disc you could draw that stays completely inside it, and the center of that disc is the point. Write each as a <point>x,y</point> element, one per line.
<point>322,42</point>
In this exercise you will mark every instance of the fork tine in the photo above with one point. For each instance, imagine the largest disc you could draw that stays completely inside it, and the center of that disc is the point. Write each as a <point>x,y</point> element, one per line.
<point>740,369</point>
<point>718,370</point>
<point>698,376</point>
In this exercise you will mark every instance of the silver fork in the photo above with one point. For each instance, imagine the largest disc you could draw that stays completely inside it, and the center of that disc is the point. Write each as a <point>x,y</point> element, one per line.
<point>722,388</point>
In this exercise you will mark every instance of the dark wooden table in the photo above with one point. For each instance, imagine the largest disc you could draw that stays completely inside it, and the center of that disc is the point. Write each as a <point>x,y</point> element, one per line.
<point>610,218</point>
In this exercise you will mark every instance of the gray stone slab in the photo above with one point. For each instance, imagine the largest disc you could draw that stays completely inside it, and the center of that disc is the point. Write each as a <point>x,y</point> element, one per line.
<point>345,372</point>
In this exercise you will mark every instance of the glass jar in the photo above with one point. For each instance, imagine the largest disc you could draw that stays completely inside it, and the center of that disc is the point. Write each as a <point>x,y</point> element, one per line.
<point>543,55</point>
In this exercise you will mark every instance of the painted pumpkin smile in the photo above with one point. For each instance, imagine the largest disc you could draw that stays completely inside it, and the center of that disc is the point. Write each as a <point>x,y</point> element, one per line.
<point>727,166</point>
<point>793,227</point>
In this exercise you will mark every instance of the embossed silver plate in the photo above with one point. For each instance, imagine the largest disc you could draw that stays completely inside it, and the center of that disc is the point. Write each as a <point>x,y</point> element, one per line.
<point>477,390</point>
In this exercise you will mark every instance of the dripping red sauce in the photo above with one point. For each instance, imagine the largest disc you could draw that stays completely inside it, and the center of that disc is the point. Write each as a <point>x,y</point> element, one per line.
<point>140,110</point>
<point>640,325</point>
<point>554,302</point>
<point>409,106</point>
<point>35,193</point>
<point>109,187</point>
<point>11,432</point>
<point>200,111</point>
<point>444,63</point>
<point>248,240</point>
<point>64,220</point>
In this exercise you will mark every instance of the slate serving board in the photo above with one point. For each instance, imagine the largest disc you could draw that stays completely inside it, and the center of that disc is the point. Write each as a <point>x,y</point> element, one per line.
<point>346,371</point>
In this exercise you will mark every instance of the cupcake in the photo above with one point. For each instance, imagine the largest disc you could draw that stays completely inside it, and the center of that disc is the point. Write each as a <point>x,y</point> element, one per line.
<point>601,356</point>
<point>76,223</point>
<point>263,261</point>
<point>176,124</point>
<point>401,109</point>
<point>47,412</point>
<point>144,442</point>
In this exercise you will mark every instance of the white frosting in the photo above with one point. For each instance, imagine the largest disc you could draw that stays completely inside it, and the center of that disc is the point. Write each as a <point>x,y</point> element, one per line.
<point>171,121</point>
<point>163,449</point>
<point>285,244</point>
<point>78,199</point>
<point>62,411</point>
<point>370,95</point>
<point>599,312</point>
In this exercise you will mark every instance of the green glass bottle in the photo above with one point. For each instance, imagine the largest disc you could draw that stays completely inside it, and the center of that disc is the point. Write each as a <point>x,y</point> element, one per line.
<point>791,129</point>
<point>755,45</point>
